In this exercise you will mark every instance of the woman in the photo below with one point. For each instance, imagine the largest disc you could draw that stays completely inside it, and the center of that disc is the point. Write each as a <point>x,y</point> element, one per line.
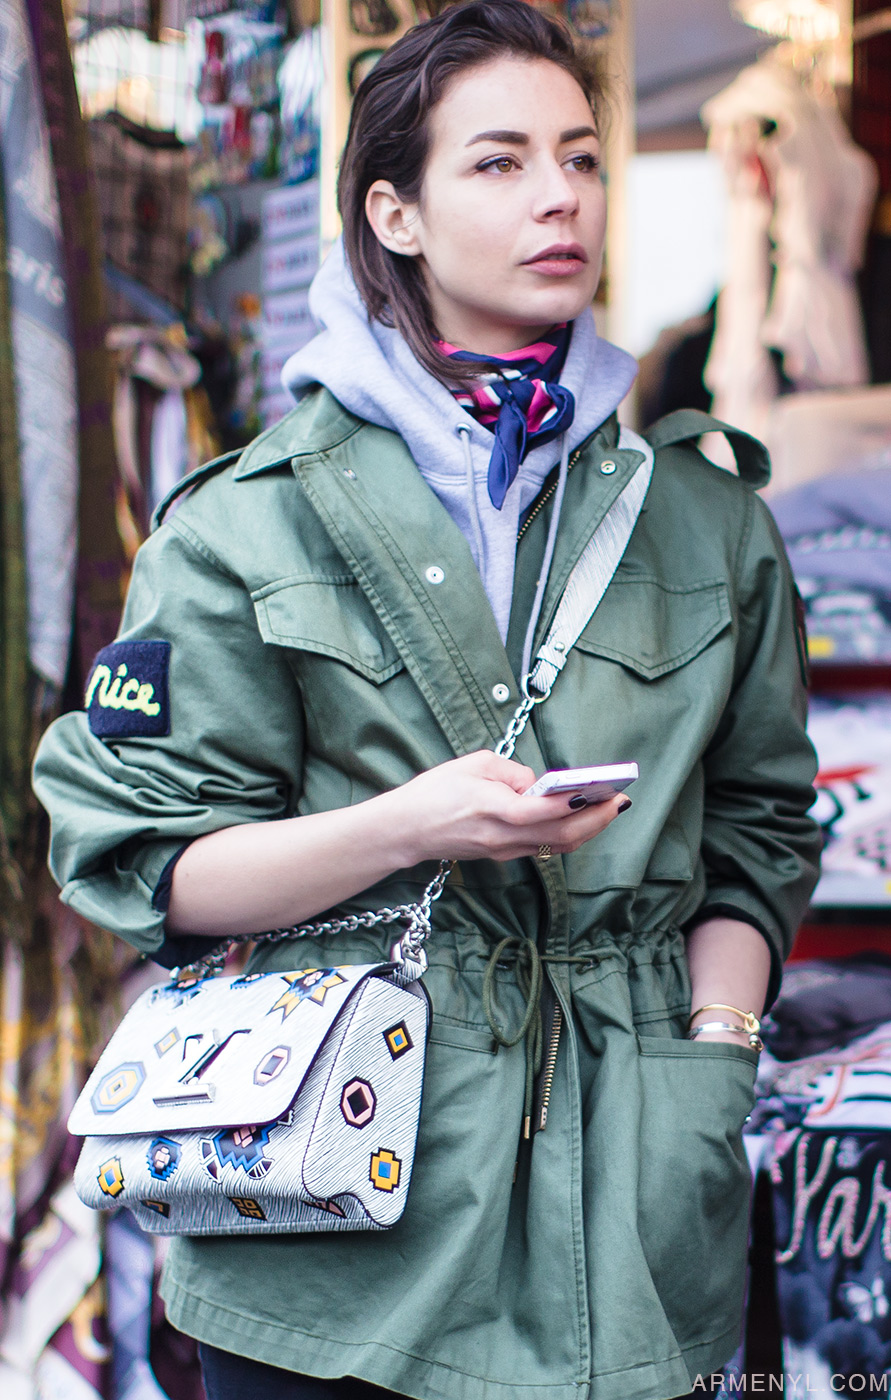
<point>334,625</point>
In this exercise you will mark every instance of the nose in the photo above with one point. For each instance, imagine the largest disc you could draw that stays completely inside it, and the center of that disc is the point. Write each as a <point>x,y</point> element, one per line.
<point>556,196</point>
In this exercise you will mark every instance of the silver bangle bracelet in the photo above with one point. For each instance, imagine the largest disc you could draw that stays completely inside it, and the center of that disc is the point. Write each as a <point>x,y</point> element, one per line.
<point>752,1036</point>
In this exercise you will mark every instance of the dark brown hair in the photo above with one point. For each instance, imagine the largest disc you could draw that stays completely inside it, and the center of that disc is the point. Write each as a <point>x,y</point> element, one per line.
<point>389,139</point>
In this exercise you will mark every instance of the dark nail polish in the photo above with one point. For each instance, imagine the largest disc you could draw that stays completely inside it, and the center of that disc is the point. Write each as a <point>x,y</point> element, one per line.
<point>578,802</point>
<point>624,804</point>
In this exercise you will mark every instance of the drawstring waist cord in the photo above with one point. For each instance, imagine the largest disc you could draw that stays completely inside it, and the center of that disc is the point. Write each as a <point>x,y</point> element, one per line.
<point>530,981</point>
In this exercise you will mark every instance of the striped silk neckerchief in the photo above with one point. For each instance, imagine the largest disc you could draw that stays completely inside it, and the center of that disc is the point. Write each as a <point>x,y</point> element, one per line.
<point>520,399</point>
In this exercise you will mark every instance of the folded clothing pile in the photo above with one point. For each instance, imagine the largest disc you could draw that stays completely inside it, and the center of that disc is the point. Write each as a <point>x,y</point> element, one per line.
<point>837,531</point>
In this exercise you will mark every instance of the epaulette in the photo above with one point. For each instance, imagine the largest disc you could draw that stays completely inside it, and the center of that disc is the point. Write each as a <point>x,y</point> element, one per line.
<point>688,424</point>
<point>192,479</point>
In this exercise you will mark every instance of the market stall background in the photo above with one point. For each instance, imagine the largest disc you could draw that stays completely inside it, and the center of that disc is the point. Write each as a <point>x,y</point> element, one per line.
<point>167,171</point>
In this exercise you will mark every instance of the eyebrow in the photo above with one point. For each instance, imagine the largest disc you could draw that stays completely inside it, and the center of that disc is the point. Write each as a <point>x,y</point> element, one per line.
<point>506,138</point>
<point>519,138</point>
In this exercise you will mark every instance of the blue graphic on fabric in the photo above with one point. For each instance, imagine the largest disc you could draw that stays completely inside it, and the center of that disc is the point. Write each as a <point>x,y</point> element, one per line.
<point>127,693</point>
<point>162,1158</point>
<point>248,980</point>
<point>241,1148</point>
<point>118,1087</point>
<point>178,991</point>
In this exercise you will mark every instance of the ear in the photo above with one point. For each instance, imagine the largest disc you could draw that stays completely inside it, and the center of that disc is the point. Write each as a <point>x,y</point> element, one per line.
<point>392,220</point>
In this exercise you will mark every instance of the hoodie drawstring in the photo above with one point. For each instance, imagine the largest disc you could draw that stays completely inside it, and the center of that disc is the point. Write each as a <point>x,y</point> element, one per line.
<point>463,432</point>
<point>546,562</point>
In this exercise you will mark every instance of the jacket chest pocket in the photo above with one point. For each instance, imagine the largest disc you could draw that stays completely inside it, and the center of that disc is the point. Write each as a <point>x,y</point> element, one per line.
<point>329,618</point>
<point>650,681</point>
<point>652,628</point>
<point>359,701</point>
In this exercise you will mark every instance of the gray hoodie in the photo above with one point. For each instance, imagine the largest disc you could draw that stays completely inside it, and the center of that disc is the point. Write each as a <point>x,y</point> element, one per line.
<point>370,369</point>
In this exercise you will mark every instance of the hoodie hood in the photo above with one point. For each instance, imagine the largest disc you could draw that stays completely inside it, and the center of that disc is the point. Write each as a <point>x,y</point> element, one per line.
<point>370,369</point>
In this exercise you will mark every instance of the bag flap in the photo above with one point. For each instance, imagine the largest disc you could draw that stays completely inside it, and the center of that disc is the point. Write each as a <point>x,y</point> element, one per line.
<point>215,1052</point>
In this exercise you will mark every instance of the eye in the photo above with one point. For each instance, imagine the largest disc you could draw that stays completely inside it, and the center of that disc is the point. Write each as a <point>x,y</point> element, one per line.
<point>503,165</point>
<point>584,162</point>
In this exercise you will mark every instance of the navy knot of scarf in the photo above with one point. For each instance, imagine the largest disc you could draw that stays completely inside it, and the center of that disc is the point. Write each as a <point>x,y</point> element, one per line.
<point>521,400</point>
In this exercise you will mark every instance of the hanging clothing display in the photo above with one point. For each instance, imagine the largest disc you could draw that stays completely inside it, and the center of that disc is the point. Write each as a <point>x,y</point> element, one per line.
<point>57,975</point>
<point>101,564</point>
<point>43,357</point>
<point>837,531</point>
<point>852,736</point>
<point>801,196</point>
<point>14,721</point>
<point>831,1204</point>
<point>142,177</point>
<point>825,1005</point>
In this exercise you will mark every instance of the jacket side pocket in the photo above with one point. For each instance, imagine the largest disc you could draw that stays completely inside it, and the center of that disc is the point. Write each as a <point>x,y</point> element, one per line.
<point>694,1183</point>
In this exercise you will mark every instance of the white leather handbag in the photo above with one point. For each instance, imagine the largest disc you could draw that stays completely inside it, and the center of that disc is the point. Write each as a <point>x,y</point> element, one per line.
<point>270,1102</point>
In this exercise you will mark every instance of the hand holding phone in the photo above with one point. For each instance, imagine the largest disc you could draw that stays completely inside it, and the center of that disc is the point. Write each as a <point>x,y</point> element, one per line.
<point>583,786</point>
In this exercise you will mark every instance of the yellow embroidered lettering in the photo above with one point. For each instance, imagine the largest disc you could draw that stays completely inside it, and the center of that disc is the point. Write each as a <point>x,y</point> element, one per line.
<point>145,702</point>
<point>101,674</point>
<point>110,698</point>
<point>130,689</point>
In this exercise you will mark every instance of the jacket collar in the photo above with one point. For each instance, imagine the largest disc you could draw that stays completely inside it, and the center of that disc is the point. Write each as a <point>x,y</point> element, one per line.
<point>317,424</point>
<point>397,539</point>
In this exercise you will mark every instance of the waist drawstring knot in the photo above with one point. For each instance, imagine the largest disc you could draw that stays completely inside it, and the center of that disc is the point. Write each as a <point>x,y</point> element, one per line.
<point>530,981</point>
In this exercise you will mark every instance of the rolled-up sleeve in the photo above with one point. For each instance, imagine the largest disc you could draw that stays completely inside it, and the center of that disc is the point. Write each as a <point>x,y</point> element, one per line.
<point>760,847</point>
<point>121,808</point>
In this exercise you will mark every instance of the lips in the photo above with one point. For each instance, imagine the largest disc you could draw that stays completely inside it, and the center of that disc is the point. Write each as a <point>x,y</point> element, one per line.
<point>560,259</point>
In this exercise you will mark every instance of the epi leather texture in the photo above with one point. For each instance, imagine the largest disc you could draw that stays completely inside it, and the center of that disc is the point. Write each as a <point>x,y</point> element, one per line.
<point>267,1103</point>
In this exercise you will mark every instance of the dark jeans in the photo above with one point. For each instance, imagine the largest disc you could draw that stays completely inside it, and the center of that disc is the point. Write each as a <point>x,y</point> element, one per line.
<point>231,1377</point>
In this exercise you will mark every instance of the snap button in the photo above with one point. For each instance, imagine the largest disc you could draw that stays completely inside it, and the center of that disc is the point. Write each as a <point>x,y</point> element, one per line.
<point>500,693</point>
<point>434,574</point>
<point>607,468</point>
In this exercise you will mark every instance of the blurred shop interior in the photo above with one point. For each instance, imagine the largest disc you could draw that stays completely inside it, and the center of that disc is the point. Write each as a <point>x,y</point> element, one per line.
<point>167,189</point>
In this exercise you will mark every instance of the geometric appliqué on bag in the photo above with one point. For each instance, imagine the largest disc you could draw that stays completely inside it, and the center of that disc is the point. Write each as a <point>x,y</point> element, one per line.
<point>118,1087</point>
<point>398,1040</point>
<point>384,1171</point>
<point>311,985</point>
<point>271,1066</point>
<point>162,1158</point>
<point>166,1042</point>
<point>331,1207</point>
<point>159,1207</point>
<point>248,1207</point>
<point>241,1148</point>
<point>357,1103</point>
<point>110,1177</point>
<point>176,992</point>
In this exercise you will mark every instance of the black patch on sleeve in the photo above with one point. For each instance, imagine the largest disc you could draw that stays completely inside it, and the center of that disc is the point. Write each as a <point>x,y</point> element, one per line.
<point>127,693</point>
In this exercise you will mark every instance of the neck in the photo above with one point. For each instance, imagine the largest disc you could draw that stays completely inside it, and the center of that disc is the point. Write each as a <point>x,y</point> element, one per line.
<point>492,342</point>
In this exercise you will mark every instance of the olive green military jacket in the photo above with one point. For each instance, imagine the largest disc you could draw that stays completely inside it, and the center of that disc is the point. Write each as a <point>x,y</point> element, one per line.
<point>303,657</point>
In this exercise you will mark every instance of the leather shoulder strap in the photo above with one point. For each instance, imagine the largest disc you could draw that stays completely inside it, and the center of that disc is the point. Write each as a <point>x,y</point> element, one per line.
<point>688,424</point>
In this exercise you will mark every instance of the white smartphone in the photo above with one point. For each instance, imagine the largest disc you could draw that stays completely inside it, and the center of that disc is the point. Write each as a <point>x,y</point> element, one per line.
<point>598,783</point>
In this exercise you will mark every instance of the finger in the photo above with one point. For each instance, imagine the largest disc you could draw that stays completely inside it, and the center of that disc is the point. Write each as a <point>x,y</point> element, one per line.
<point>516,776</point>
<point>533,811</point>
<point>553,823</point>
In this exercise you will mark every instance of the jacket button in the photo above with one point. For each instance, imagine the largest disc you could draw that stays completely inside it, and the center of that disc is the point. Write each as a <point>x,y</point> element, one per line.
<point>500,693</point>
<point>434,574</point>
<point>607,468</point>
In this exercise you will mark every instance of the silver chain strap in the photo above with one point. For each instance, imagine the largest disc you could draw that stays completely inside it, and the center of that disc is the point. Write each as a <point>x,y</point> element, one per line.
<point>416,916</point>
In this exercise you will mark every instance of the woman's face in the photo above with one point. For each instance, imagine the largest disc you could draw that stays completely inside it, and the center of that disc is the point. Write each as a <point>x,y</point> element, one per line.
<point>510,225</point>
